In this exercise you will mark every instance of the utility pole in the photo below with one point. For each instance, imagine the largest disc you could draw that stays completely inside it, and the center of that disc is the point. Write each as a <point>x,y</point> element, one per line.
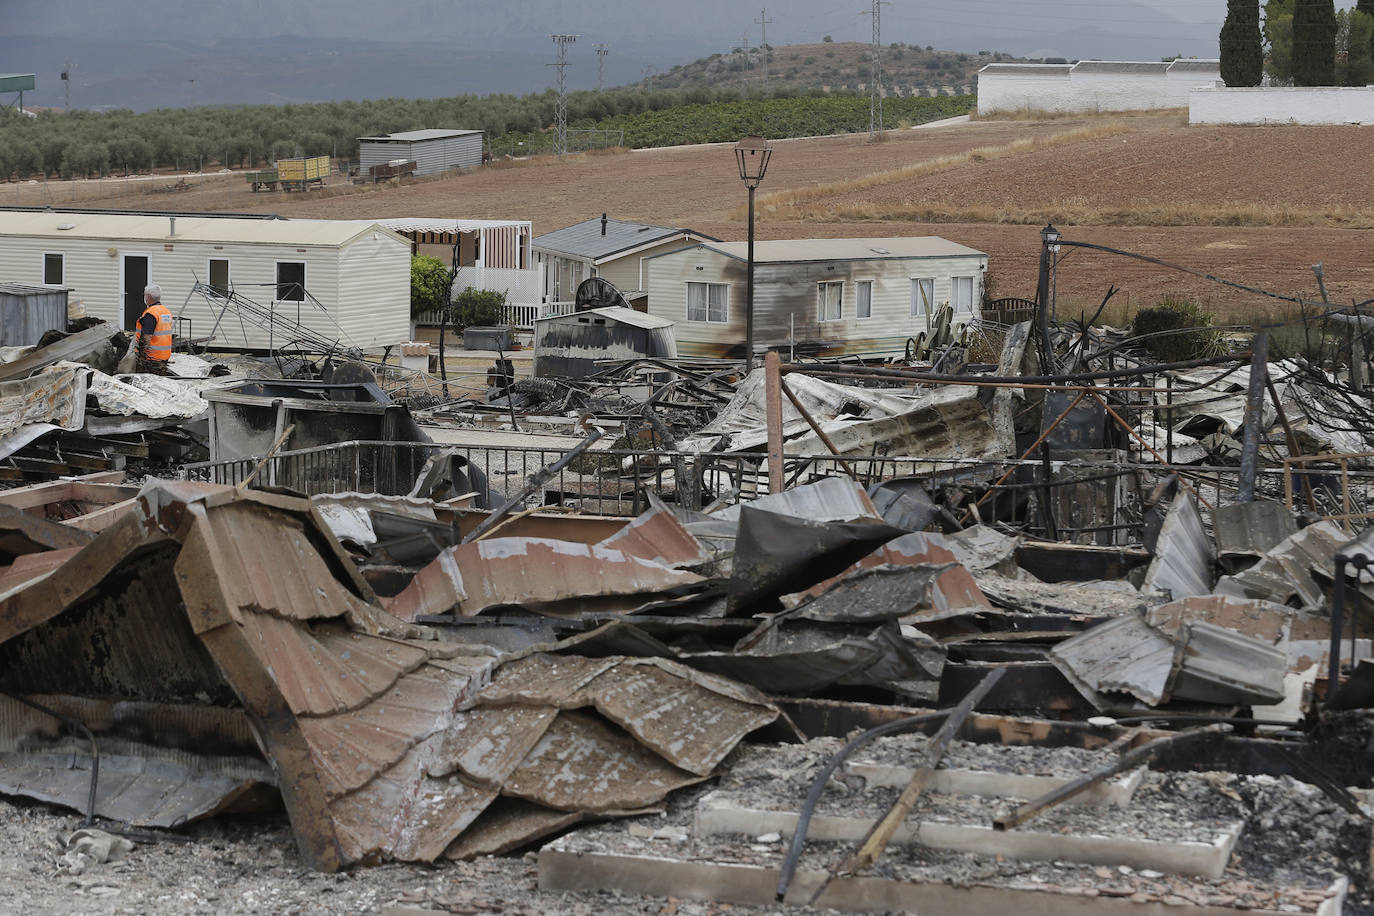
<point>67,86</point>
<point>601,52</point>
<point>762,22</point>
<point>560,111</point>
<point>644,74</point>
<point>875,75</point>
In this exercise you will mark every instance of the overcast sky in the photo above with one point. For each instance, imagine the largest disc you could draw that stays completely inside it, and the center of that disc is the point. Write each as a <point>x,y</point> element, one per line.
<point>145,53</point>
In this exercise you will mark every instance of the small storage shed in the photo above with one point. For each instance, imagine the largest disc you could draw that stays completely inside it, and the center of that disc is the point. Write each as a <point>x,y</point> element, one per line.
<point>568,346</point>
<point>820,297</point>
<point>346,280</point>
<point>432,150</point>
<point>27,311</point>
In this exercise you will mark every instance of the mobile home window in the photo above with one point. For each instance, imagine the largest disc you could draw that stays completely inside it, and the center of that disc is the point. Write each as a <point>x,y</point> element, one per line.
<point>708,302</point>
<point>830,300</point>
<point>219,275</point>
<point>922,297</point>
<point>52,269</point>
<point>290,281</point>
<point>863,299</point>
<point>961,295</point>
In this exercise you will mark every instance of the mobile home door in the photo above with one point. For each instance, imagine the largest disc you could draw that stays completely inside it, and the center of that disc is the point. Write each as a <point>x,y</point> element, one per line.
<point>133,270</point>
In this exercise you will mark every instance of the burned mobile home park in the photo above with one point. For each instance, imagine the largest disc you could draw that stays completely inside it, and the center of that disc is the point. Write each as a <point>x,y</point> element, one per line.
<point>768,574</point>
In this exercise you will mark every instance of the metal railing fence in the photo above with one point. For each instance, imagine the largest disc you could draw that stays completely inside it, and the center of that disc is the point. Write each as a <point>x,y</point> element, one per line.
<point>616,481</point>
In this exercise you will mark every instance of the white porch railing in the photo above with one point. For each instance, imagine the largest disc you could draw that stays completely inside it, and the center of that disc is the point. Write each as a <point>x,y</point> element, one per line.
<point>523,315</point>
<point>522,289</point>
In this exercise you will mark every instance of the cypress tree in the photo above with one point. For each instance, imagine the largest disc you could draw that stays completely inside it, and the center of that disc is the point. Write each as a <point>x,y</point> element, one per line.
<point>1242,54</point>
<point>1367,7</point>
<point>1314,43</point>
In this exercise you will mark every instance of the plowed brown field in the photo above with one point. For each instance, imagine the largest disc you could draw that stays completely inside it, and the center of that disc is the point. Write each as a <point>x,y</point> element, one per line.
<point>1253,205</point>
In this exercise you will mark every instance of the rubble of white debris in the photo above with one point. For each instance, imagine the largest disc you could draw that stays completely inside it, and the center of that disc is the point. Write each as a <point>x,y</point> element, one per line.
<point>1072,632</point>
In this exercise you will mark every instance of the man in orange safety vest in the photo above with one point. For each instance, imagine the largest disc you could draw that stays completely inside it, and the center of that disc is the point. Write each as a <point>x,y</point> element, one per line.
<point>153,341</point>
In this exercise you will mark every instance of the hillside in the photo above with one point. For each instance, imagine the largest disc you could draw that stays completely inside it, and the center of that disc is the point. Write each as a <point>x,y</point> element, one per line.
<point>908,70</point>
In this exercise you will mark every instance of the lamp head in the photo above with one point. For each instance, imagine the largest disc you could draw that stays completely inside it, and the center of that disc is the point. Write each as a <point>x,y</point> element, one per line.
<point>1049,236</point>
<point>752,154</point>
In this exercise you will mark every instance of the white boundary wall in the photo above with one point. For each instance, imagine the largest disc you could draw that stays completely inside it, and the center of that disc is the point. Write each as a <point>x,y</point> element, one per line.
<point>1282,105</point>
<point>1092,85</point>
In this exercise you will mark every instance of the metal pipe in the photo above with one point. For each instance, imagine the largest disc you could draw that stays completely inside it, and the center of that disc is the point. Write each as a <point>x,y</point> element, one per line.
<point>1018,381</point>
<point>749,292</point>
<point>1254,417</point>
<point>1127,761</point>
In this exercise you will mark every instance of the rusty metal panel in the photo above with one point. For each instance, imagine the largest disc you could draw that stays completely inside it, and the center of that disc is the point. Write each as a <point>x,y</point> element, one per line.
<point>540,574</point>
<point>658,535</point>
<point>691,718</point>
<point>488,742</point>
<point>405,814</point>
<point>327,669</point>
<point>22,533</point>
<point>350,748</point>
<point>955,591</point>
<point>582,764</point>
<point>554,680</point>
<point>284,573</point>
<point>509,824</point>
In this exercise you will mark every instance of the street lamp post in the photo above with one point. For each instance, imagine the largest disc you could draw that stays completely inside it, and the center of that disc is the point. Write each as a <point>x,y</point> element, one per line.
<point>752,154</point>
<point>1049,243</point>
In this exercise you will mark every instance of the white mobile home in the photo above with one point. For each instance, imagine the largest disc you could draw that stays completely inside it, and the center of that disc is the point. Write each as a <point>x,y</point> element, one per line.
<point>825,297</point>
<point>612,249</point>
<point>358,271</point>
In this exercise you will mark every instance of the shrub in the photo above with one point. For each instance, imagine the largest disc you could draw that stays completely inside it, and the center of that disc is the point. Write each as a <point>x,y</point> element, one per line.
<point>1177,330</point>
<point>477,307</point>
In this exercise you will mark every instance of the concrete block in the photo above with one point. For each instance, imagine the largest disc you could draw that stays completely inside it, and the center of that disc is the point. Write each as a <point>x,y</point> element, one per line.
<point>563,869</point>
<point>717,814</point>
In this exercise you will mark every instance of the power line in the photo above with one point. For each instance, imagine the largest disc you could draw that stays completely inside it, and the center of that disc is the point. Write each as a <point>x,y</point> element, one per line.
<point>601,52</point>
<point>875,76</point>
<point>762,23</point>
<point>560,111</point>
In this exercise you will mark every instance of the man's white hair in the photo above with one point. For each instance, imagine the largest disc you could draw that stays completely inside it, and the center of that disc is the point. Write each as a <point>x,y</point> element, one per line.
<point>152,289</point>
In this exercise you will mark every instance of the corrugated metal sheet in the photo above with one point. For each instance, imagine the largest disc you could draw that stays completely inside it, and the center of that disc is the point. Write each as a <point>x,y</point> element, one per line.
<point>582,764</point>
<point>541,574</point>
<point>658,535</point>
<point>955,592</point>
<point>1297,572</point>
<point>384,747</point>
<point>56,396</point>
<point>831,499</point>
<point>1124,655</point>
<point>1182,565</point>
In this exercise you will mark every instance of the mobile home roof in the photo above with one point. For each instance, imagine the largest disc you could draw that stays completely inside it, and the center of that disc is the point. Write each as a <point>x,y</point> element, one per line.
<point>791,250</point>
<point>308,232</point>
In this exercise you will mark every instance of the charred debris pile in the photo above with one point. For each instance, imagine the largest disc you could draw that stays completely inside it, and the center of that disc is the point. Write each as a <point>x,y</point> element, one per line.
<point>1068,631</point>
